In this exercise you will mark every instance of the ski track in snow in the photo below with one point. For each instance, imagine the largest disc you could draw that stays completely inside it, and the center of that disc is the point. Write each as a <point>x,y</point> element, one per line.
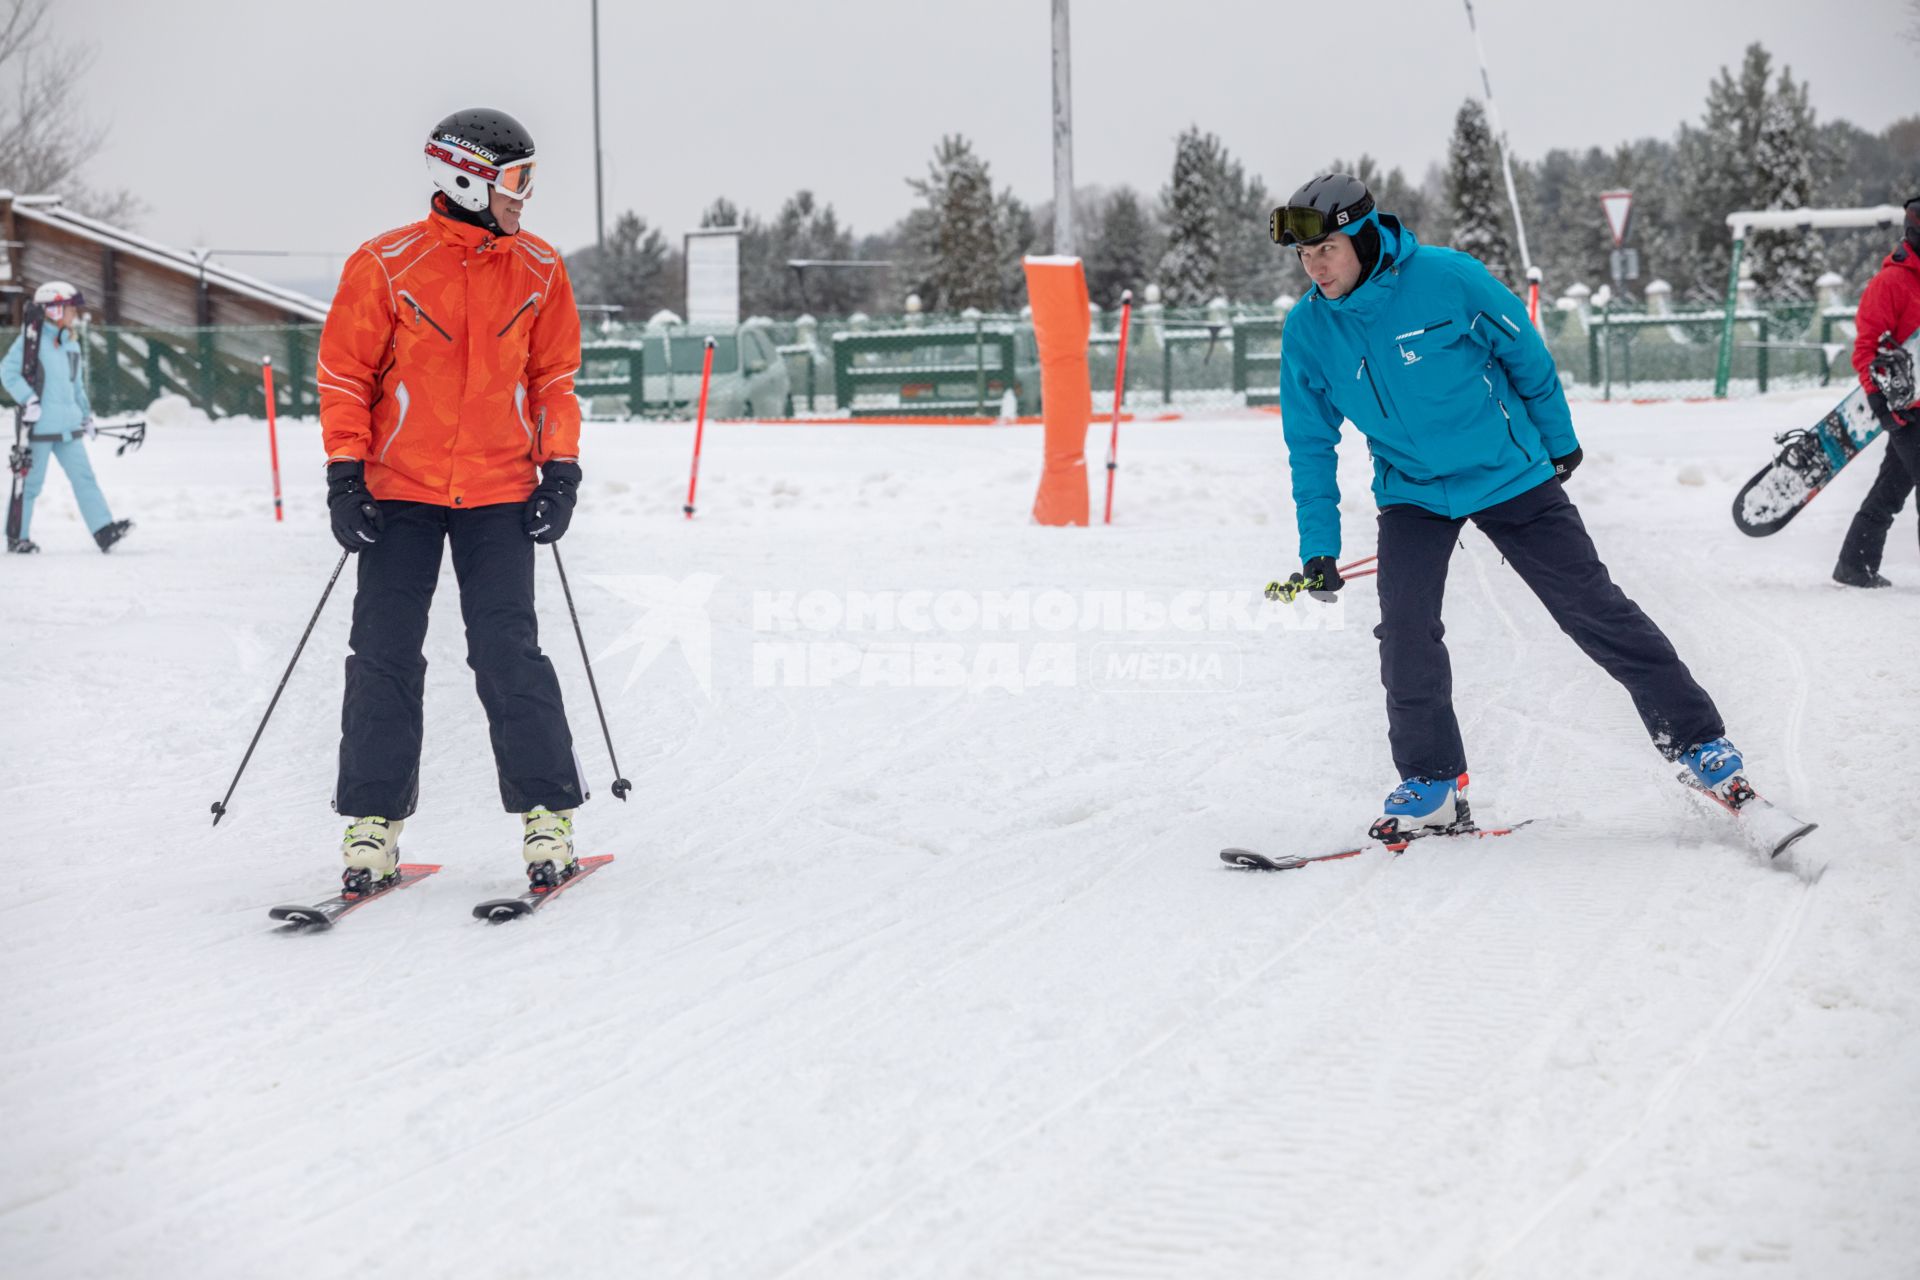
<point>935,982</point>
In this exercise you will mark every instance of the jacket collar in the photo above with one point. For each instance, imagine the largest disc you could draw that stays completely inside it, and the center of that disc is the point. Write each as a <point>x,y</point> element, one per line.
<point>1397,246</point>
<point>453,231</point>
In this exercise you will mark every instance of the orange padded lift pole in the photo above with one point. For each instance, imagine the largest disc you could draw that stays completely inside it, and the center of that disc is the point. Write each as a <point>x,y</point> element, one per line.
<point>1057,288</point>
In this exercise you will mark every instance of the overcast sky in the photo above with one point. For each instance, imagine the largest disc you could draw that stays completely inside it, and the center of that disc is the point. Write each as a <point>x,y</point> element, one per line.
<point>248,124</point>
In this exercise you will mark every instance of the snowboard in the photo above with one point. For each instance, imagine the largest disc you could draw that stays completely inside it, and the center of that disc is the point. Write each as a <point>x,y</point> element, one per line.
<point>1808,460</point>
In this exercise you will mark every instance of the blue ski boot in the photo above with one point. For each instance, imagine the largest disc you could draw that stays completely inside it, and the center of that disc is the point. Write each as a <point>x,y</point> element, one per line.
<point>1715,767</point>
<point>1424,807</point>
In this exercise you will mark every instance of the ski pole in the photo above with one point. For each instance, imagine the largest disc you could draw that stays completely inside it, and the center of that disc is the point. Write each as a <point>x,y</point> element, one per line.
<point>131,433</point>
<point>1287,592</point>
<point>220,805</point>
<point>620,785</point>
<point>1119,389</point>
<point>1355,565</point>
<point>699,430</point>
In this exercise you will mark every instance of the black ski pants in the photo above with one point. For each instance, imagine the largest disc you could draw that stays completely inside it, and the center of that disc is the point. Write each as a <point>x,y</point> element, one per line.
<point>1541,535</point>
<point>381,717</point>
<point>1866,540</point>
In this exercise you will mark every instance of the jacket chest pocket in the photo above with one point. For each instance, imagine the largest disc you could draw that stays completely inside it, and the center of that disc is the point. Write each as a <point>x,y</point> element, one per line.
<point>514,331</point>
<point>1434,355</point>
<point>422,323</point>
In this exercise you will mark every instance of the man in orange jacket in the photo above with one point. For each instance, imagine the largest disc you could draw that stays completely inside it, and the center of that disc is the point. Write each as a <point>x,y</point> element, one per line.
<point>447,409</point>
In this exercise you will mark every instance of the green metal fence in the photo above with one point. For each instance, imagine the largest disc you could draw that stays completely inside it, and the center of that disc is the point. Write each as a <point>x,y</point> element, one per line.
<point>1637,354</point>
<point>975,365</point>
<point>217,369</point>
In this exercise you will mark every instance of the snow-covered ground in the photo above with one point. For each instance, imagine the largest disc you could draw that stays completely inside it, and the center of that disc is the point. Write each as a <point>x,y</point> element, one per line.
<point>916,958</point>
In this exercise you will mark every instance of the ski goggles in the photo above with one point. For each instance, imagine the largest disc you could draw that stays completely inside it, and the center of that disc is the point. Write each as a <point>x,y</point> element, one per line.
<point>1298,224</point>
<point>54,310</point>
<point>515,179</point>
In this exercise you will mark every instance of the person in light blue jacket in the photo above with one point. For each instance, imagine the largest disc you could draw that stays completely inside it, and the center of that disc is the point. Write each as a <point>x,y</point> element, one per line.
<point>50,390</point>
<point>1440,369</point>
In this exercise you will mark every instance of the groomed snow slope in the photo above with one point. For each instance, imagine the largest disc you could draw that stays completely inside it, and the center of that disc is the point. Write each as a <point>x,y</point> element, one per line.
<point>936,981</point>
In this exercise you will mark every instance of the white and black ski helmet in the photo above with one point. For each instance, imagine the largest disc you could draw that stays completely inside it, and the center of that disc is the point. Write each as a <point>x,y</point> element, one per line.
<point>58,293</point>
<point>471,152</point>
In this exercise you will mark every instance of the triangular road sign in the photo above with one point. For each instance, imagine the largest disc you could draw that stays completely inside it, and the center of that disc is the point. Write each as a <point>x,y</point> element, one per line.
<point>1618,206</point>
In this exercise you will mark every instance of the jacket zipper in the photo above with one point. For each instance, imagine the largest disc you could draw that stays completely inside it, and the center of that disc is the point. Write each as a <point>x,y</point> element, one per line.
<point>420,312</point>
<point>1510,435</point>
<point>1368,374</point>
<point>531,299</point>
<point>1411,335</point>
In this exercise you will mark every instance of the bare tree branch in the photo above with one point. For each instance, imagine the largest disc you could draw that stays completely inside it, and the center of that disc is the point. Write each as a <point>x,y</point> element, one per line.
<point>49,139</point>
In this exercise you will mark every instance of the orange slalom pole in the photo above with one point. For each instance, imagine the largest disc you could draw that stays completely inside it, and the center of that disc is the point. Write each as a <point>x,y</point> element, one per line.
<point>700,426</point>
<point>1119,389</point>
<point>273,435</point>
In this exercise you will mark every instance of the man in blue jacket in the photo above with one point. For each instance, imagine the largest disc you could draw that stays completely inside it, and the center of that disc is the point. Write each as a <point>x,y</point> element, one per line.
<point>1438,366</point>
<point>46,380</point>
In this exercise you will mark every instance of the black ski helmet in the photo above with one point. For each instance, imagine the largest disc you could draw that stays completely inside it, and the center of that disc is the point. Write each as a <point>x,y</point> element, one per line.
<point>1331,202</point>
<point>1913,224</point>
<point>470,153</point>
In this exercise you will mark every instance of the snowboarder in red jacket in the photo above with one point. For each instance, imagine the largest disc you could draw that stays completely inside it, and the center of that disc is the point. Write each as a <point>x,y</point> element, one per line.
<point>1890,306</point>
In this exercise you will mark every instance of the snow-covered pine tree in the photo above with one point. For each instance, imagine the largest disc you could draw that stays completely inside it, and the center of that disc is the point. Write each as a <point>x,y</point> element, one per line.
<point>1786,263</point>
<point>1250,267</point>
<point>1017,236</point>
<point>721,213</point>
<point>805,229</point>
<point>1190,209</point>
<point>957,245</point>
<point>1122,253</point>
<point>1717,172</point>
<point>1475,197</point>
<point>637,271</point>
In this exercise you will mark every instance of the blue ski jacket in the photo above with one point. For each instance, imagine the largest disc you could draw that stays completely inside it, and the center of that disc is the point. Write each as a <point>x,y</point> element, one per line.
<point>1437,365</point>
<point>63,396</point>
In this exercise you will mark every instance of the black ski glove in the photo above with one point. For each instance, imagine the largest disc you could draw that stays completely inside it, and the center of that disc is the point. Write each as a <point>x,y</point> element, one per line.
<point>550,507</point>
<point>1889,418</point>
<point>1564,465</point>
<point>356,516</point>
<point>1321,580</point>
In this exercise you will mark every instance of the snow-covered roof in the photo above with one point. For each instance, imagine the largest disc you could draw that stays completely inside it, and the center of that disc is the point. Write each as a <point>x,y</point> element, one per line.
<point>49,210</point>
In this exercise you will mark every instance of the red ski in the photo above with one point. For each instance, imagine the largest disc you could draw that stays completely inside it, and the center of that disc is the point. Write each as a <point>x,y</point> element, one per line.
<point>496,910</point>
<point>1252,861</point>
<point>322,915</point>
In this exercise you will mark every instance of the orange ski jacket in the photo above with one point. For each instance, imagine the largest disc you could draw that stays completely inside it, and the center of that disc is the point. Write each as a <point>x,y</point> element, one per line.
<point>447,364</point>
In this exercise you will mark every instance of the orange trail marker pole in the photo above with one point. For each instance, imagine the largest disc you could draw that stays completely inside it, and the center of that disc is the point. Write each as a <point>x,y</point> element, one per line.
<point>273,435</point>
<point>1119,389</point>
<point>700,427</point>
